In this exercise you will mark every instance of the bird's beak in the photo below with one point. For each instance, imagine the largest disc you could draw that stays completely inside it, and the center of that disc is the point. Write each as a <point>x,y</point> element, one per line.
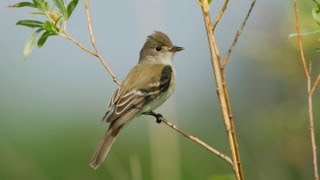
<point>176,48</point>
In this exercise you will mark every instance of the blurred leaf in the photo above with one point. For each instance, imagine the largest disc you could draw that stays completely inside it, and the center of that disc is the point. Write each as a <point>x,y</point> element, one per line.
<point>38,3</point>
<point>318,49</point>
<point>316,14</point>
<point>50,27</point>
<point>73,4</point>
<point>45,6</point>
<point>43,38</point>
<point>30,23</point>
<point>209,2</point>
<point>305,32</point>
<point>30,44</point>
<point>62,8</point>
<point>23,4</point>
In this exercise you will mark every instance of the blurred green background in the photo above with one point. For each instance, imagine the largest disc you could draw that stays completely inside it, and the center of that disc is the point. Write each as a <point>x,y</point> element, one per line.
<point>51,104</point>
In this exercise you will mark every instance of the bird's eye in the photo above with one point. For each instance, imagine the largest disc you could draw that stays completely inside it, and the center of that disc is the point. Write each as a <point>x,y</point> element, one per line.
<point>158,48</point>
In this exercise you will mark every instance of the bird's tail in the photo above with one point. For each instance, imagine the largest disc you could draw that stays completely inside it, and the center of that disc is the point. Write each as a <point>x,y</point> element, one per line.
<point>104,147</point>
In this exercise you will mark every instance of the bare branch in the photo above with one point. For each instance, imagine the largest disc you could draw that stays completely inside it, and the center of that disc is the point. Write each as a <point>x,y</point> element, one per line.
<point>235,40</point>
<point>93,42</point>
<point>221,91</point>
<point>304,62</point>
<point>315,84</point>
<point>79,44</point>
<point>198,141</point>
<point>310,92</point>
<point>219,16</point>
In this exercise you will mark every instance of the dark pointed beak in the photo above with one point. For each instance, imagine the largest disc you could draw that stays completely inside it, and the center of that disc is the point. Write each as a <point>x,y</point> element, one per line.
<point>176,48</point>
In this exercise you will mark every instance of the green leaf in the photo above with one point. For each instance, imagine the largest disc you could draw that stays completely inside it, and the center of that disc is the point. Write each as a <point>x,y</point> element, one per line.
<point>43,38</point>
<point>30,44</point>
<point>50,27</point>
<point>209,2</point>
<point>62,8</point>
<point>30,23</point>
<point>316,14</point>
<point>318,49</point>
<point>305,32</point>
<point>23,4</point>
<point>71,7</point>
<point>45,7</point>
<point>38,3</point>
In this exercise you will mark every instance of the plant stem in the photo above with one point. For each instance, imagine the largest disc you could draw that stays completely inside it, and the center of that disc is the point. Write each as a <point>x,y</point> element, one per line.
<point>222,92</point>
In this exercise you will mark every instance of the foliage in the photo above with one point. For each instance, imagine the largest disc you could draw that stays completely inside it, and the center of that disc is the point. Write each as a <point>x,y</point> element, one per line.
<point>55,16</point>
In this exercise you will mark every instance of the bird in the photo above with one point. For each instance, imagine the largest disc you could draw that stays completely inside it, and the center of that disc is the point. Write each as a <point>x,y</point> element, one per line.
<point>148,85</point>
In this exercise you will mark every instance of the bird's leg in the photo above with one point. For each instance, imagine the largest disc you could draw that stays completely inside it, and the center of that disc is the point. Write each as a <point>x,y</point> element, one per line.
<point>156,115</point>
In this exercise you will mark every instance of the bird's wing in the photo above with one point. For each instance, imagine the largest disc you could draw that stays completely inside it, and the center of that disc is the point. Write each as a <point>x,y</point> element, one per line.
<point>142,85</point>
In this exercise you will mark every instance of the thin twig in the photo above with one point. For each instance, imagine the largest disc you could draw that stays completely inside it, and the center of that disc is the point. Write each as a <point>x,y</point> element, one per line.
<point>79,44</point>
<point>198,141</point>
<point>92,38</point>
<point>235,40</point>
<point>219,16</point>
<point>315,84</point>
<point>310,92</point>
<point>304,62</point>
<point>93,42</point>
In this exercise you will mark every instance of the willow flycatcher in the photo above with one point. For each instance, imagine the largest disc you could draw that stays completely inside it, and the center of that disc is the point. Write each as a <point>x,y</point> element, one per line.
<point>146,87</point>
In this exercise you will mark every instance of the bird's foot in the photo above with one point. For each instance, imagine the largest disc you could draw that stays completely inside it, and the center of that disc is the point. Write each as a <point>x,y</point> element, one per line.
<point>156,115</point>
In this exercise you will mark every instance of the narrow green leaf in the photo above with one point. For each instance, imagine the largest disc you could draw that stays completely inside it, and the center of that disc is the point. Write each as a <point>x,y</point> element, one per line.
<point>43,38</point>
<point>47,26</point>
<point>316,14</point>
<point>23,4</point>
<point>30,23</point>
<point>30,44</point>
<point>72,5</point>
<point>44,7</point>
<point>318,49</point>
<point>62,8</point>
<point>209,2</point>
<point>38,3</point>
<point>50,27</point>
<point>305,32</point>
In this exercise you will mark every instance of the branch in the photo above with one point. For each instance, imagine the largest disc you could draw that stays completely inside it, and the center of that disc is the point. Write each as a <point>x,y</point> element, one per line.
<point>315,84</point>
<point>219,81</point>
<point>198,141</point>
<point>218,18</point>
<point>160,118</point>
<point>93,42</point>
<point>310,92</point>
<point>235,40</point>
<point>304,62</point>
<point>66,35</point>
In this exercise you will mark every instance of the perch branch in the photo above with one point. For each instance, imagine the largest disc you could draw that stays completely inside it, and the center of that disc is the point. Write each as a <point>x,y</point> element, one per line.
<point>198,141</point>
